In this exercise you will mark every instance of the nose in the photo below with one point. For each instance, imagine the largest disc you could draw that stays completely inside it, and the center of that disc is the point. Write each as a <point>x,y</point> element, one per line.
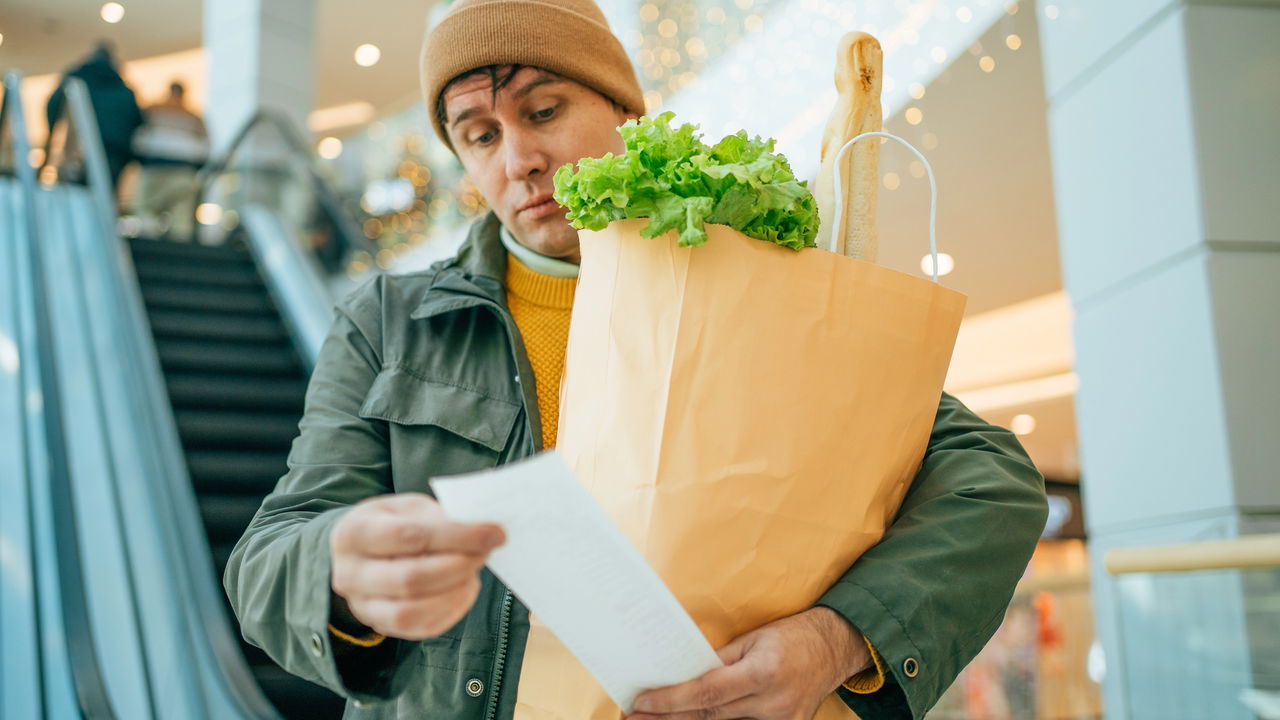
<point>525,156</point>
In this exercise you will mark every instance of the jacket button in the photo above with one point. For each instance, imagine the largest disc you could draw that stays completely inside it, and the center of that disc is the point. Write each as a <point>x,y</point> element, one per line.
<point>910,667</point>
<point>475,687</point>
<point>317,645</point>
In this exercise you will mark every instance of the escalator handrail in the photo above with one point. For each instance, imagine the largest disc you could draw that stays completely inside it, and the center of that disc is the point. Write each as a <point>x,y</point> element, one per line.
<point>179,516</point>
<point>343,222</point>
<point>87,676</point>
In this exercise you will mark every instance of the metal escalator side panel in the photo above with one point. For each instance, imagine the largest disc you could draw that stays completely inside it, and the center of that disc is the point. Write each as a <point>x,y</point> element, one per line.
<point>153,576</point>
<point>113,615</point>
<point>293,278</point>
<point>72,679</point>
<point>20,665</point>
<point>213,679</point>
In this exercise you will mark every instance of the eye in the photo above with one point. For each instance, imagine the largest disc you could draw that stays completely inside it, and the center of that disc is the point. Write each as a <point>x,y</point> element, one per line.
<point>544,114</point>
<point>484,139</point>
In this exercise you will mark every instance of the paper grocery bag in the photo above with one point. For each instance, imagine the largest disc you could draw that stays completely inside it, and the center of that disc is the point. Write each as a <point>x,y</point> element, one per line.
<point>749,415</point>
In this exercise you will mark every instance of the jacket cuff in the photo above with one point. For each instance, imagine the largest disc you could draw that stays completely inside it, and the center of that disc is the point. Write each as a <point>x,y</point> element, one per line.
<point>366,670</point>
<point>891,645</point>
<point>871,679</point>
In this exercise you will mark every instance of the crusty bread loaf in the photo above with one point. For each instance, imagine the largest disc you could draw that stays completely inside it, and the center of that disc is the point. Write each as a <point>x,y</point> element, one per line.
<point>859,68</point>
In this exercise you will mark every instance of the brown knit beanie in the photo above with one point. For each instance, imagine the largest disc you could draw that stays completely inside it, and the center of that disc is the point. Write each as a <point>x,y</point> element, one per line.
<point>568,37</point>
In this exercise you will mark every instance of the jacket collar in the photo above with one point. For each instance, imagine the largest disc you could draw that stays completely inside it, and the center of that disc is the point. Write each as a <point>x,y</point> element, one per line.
<point>475,272</point>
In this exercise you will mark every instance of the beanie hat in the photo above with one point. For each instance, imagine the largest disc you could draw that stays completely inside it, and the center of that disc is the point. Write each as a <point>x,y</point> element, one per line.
<point>568,37</point>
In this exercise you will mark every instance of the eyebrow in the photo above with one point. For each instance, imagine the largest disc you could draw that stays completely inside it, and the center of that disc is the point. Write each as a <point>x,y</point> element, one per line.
<point>518,94</point>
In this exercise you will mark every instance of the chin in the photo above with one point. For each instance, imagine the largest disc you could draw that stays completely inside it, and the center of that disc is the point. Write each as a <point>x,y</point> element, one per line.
<point>561,243</point>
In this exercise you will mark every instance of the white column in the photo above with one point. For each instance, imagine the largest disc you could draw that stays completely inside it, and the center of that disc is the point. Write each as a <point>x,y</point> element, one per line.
<point>261,53</point>
<point>1163,117</point>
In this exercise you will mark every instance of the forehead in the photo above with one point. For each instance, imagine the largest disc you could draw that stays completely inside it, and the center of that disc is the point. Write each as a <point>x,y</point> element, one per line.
<point>475,92</point>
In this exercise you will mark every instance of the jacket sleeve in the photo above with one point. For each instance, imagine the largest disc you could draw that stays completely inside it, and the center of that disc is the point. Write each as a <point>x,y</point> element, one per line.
<point>278,574</point>
<point>934,590</point>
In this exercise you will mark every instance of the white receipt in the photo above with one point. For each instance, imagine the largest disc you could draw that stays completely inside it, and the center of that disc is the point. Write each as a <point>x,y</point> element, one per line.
<point>572,566</point>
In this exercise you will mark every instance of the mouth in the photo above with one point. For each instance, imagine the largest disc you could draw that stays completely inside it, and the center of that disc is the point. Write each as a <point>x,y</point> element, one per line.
<point>540,203</point>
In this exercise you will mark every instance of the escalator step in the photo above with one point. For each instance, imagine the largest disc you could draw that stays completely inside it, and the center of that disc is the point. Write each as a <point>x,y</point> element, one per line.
<point>203,429</point>
<point>190,252</point>
<point>231,392</point>
<point>235,471</point>
<point>213,299</point>
<point>216,326</point>
<point>220,274</point>
<point>224,357</point>
<point>227,516</point>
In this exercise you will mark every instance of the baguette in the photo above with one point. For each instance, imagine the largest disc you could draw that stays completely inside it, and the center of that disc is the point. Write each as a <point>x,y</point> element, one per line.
<point>859,68</point>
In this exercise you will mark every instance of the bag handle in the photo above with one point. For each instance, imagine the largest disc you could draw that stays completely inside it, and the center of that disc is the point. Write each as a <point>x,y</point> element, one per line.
<point>933,194</point>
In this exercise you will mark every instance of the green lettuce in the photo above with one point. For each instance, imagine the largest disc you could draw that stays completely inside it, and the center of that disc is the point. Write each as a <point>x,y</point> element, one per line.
<point>672,177</point>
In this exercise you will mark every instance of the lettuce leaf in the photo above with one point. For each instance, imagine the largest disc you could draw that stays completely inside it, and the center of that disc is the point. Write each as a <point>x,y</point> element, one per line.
<point>670,176</point>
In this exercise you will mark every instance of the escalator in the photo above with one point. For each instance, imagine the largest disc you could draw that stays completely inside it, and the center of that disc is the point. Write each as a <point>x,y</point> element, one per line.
<point>157,387</point>
<point>236,385</point>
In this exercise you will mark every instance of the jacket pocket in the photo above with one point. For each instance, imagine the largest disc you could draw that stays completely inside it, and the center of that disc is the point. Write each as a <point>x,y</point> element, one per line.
<point>404,397</point>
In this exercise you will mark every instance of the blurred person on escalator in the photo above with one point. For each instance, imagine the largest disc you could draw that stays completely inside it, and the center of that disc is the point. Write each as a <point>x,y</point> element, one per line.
<point>171,145</point>
<point>114,106</point>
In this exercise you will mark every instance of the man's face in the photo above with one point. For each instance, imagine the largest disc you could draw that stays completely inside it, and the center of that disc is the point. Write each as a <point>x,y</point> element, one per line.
<point>511,148</point>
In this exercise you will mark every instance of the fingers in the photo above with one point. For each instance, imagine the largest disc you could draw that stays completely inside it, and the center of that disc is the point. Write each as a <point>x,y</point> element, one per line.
<point>409,524</point>
<point>719,687</point>
<point>417,619</point>
<point>409,578</point>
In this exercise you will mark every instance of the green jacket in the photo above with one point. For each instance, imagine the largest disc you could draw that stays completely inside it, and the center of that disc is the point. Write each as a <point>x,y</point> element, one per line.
<point>425,374</point>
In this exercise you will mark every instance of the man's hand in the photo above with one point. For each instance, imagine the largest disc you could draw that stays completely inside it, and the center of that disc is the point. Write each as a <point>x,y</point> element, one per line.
<point>782,671</point>
<point>406,570</point>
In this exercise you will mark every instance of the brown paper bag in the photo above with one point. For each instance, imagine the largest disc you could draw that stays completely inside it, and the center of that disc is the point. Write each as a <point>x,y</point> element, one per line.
<point>750,416</point>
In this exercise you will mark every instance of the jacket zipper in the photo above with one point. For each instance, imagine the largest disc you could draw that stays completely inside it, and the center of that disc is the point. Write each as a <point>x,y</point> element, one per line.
<point>504,622</point>
<point>500,657</point>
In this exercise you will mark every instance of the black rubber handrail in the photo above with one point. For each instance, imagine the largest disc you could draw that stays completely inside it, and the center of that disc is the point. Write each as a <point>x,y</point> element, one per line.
<point>91,692</point>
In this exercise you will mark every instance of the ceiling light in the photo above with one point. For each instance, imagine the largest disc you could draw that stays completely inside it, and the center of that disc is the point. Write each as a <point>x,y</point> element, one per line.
<point>1013,41</point>
<point>208,213</point>
<point>946,264</point>
<point>338,116</point>
<point>917,90</point>
<point>329,148</point>
<point>987,63</point>
<point>939,54</point>
<point>1022,424</point>
<point>914,115</point>
<point>892,181</point>
<point>964,14</point>
<point>368,55</point>
<point>112,12</point>
<point>1051,12</point>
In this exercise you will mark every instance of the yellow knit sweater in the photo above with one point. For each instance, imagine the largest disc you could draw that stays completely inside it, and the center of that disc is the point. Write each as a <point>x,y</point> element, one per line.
<point>541,306</point>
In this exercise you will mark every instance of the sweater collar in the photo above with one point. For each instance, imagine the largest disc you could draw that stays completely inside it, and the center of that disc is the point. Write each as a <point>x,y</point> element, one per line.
<point>536,261</point>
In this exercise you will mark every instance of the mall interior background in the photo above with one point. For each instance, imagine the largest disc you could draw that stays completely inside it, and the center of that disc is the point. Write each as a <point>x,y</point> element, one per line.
<point>1108,175</point>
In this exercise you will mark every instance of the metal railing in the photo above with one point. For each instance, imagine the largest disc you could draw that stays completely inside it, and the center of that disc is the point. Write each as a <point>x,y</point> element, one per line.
<point>1196,626</point>
<point>1241,553</point>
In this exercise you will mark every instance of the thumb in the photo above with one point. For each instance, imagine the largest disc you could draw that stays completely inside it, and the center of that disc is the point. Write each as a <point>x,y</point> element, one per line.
<point>736,650</point>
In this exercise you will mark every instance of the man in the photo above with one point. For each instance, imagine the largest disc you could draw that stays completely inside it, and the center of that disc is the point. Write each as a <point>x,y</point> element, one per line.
<point>171,146</point>
<point>114,106</point>
<point>454,369</point>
